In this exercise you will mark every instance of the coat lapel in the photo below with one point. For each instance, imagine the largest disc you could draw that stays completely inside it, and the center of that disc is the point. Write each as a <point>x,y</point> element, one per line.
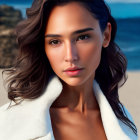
<point>33,117</point>
<point>110,122</point>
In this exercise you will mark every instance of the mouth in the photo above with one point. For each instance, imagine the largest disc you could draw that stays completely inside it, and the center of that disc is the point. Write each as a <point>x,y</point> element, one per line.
<point>73,68</point>
<point>73,72</point>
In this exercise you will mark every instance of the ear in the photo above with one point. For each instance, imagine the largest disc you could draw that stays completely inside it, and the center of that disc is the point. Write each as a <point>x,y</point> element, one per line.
<point>107,35</point>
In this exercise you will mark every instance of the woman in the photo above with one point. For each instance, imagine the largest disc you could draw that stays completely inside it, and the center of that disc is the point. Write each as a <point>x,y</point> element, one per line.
<point>64,85</point>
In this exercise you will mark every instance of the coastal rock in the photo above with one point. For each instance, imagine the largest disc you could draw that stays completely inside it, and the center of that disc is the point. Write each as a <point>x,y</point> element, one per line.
<point>9,18</point>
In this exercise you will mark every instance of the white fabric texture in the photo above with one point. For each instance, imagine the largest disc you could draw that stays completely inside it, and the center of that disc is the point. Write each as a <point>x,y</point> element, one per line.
<point>30,120</point>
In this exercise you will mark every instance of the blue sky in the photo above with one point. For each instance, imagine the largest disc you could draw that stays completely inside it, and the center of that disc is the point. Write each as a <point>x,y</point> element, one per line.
<point>123,1</point>
<point>29,1</point>
<point>119,8</point>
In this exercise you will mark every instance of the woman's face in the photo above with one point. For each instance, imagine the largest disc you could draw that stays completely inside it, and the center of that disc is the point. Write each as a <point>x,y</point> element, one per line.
<point>74,40</point>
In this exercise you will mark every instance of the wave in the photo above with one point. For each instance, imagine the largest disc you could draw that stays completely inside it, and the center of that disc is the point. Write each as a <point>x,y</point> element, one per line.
<point>132,49</point>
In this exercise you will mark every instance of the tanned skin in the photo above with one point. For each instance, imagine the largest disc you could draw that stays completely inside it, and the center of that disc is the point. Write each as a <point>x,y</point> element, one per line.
<point>75,114</point>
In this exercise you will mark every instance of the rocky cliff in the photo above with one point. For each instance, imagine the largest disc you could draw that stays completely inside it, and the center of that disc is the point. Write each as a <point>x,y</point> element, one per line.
<point>9,17</point>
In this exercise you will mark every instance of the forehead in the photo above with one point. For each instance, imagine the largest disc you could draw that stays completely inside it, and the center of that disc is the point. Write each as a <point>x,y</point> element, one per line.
<point>68,17</point>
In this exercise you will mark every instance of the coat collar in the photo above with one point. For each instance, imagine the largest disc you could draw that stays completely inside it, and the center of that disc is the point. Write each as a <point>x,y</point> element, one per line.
<point>33,117</point>
<point>112,125</point>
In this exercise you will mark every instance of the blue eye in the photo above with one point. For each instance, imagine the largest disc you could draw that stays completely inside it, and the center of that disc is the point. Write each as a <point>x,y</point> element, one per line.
<point>83,37</point>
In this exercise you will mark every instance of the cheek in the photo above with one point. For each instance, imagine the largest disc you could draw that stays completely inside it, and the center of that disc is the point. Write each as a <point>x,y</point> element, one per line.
<point>91,54</point>
<point>54,58</point>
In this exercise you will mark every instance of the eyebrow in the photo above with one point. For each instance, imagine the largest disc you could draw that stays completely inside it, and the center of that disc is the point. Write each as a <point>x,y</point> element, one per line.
<point>75,32</point>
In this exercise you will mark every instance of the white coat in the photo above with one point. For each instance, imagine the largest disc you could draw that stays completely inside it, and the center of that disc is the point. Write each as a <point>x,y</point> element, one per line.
<point>30,120</point>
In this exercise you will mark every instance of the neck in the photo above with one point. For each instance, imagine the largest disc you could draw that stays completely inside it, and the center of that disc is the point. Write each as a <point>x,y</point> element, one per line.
<point>79,98</point>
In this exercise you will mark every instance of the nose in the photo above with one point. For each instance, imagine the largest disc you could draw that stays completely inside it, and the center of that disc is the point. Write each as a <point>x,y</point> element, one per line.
<point>71,54</point>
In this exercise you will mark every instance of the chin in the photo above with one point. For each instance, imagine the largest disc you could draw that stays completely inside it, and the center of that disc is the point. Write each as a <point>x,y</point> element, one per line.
<point>74,81</point>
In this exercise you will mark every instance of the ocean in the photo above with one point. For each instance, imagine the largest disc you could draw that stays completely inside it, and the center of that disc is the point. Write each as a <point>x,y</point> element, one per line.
<point>128,33</point>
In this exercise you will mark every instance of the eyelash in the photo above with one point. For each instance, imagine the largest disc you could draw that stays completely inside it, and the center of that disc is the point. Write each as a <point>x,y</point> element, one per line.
<point>50,43</point>
<point>86,35</point>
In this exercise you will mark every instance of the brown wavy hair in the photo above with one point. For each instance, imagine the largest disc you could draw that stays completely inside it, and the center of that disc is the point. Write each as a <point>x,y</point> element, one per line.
<point>30,75</point>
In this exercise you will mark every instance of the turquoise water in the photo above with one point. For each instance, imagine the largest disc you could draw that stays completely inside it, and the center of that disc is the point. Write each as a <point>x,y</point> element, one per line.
<point>125,10</point>
<point>128,38</point>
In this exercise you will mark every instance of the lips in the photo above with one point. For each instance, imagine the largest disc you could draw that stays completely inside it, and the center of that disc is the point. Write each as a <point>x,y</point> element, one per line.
<point>73,69</point>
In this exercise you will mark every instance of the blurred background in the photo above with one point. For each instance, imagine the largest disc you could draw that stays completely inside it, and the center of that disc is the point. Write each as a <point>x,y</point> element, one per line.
<point>127,15</point>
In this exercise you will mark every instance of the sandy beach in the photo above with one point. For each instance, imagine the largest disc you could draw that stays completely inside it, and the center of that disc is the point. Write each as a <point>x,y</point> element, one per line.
<point>129,95</point>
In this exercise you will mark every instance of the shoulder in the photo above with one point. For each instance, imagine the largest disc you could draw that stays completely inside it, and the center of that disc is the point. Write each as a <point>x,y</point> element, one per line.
<point>4,107</point>
<point>30,119</point>
<point>20,120</point>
